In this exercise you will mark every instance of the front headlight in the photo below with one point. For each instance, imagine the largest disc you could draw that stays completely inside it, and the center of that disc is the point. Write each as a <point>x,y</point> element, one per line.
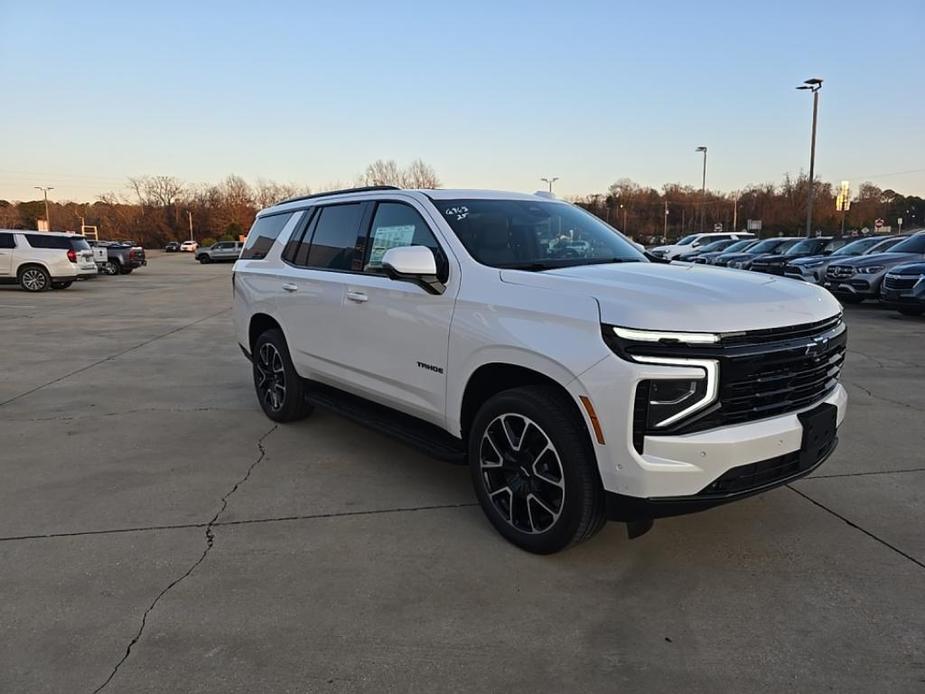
<point>870,269</point>
<point>670,400</point>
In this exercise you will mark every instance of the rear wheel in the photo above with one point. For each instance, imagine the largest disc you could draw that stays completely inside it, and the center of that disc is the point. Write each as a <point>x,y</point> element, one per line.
<point>61,285</point>
<point>534,471</point>
<point>34,279</point>
<point>279,388</point>
<point>111,267</point>
<point>911,310</point>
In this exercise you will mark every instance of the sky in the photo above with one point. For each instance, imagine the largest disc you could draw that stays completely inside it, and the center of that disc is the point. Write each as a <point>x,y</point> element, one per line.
<point>491,94</point>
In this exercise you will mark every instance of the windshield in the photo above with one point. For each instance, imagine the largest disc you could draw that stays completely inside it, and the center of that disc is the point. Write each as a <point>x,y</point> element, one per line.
<point>768,245</point>
<point>916,244</point>
<point>688,240</point>
<point>808,247</point>
<point>858,247</point>
<point>740,245</point>
<point>535,235</point>
<point>80,244</point>
<point>716,246</point>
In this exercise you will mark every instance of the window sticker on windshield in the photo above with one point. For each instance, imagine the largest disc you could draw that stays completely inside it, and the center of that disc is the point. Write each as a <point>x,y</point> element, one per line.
<point>385,238</point>
<point>461,212</point>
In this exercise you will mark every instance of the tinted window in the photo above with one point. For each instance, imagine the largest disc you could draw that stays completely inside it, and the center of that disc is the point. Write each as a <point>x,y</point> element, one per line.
<point>262,235</point>
<point>396,225</point>
<point>740,245</point>
<point>915,244</point>
<point>80,244</point>
<point>6,241</point>
<point>334,240</point>
<point>688,239</point>
<point>40,241</point>
<point>808,246</point>
<point>858,247</point>
<point>535,235</point>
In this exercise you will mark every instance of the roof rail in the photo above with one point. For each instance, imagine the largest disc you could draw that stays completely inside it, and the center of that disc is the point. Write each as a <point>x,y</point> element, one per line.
<point>362,189</point>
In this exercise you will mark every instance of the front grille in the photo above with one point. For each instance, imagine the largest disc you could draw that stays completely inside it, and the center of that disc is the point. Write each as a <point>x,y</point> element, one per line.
<point>899,281</point>
<point>792,270</point>
<point>839,272</point>
<point>790,332</point>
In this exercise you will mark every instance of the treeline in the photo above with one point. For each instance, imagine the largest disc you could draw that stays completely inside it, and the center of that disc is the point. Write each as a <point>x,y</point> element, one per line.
<point>641,212</point>
<point>157,209</point>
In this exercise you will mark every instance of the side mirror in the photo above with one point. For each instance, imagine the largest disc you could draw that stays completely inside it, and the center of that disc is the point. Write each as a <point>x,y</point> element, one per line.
<point>415,264</point>
<point>696,244</point>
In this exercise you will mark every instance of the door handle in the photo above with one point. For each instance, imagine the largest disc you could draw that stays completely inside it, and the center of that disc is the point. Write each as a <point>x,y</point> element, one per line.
<point>289,287</point>
<point>359,297</point>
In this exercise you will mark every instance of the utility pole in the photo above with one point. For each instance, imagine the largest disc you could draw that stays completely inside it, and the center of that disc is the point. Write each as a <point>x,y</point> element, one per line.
<point>665,233</point>
<point>623,210</point>
<point>45,190</point>
<point>189,216</point>
<point>550,181</point>
<point>813,85</point>
<point>735,211</point>
<point>703,187</point>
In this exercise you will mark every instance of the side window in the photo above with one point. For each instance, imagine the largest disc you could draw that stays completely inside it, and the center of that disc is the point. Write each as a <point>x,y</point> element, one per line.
<point>333,243</point>
<point>6,241</point>
<point>262,235</point>
<point>40,241</point>
<point>296,250</point>
<point>396,225</point>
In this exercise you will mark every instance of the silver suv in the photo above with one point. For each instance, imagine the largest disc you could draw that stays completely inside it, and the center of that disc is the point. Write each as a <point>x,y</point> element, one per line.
<point>41,260</point>
<point>855,280</point>
<point>227,251</point>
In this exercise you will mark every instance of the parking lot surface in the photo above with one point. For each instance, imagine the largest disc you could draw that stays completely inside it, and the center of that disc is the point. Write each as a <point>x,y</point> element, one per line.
<point>158,533</point>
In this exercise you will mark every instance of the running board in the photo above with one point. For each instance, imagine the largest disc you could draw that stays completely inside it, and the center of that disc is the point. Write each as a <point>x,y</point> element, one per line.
<point>422,435</point>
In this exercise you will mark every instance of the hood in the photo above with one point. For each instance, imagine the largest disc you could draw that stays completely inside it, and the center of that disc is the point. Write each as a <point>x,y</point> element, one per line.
<point>658,296</point>
<point>807,259</point>
<point>878,259</point>
<point>909,268</point>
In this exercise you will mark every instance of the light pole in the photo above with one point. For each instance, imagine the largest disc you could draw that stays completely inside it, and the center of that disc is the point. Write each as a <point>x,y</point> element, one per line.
<point>189,216</point>
<point>550,181</point>
<point>814,85</point>
<point>45,190</point>
<point>703,187</point>
<point>665,233</point>
<point>623,209</point>
<point>735,211</point>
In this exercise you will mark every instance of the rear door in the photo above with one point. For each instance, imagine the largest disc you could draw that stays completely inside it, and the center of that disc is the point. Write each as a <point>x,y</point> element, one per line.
<point>7,244</point>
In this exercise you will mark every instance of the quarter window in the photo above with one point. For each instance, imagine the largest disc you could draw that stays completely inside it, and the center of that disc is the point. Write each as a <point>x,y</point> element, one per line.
<point>6,241</point>
<point>333,244</point>
<point>40,241</point>
<point>396,225</point>
<point>262,235</point>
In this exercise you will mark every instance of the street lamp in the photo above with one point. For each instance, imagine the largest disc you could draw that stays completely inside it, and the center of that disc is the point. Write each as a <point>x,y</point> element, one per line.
<point>813,85</point>
<point>550,181</point>
<point>703,187</point>
<point>45,190</point>
<point>623,209</point>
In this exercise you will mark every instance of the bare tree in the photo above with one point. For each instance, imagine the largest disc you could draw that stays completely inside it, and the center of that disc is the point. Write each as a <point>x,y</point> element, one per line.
<point>419,175</point>
<point>383,173</point>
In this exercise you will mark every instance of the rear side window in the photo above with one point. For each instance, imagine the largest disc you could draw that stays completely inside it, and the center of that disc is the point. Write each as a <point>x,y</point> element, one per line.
<point>6,241</point>
<point>80,244</point>
<point>262,235</point>
<point>333,245</point>
<point>39,241</point>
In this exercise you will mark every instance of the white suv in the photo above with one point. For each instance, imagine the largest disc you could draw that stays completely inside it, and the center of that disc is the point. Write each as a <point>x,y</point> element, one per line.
<point>42,260</point>
<point>523,335</point>
<point>692,242</point>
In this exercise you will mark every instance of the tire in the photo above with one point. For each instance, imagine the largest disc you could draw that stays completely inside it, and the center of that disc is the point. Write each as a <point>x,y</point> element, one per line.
<point>34,278</point>
<point>541,503</point>
<point>279,388</point>
<point>204,259</point>
<point>61,285</point>
<point>112,267</point>
<point>911,310</point>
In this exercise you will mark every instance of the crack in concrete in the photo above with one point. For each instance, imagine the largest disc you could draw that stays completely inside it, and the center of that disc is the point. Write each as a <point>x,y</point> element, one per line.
<point>898,363</point>
<point>111,357</point>
<point>210,541</point>
<point>873,395</point>
<point>858,527</point>
<point>174,410</point>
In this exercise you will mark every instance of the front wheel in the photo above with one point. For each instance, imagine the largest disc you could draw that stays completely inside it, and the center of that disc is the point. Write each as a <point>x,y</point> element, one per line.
<point>279,388</point>
<point>534,471</point>
<point>204,259</point>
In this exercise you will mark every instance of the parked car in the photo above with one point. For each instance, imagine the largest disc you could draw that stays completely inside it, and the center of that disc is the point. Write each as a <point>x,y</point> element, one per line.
<point>578,385</point>
<point>121,257</point>
<point>223,251</point>
<point>856,279</point>
<point>707,258</point>
<point>713,247</point>
<point>812,268</point>
<point>172,247</point>
<point>692,242</point>
<point>903,288</point>
<point>189,247</point>
<point>743,260</point>
<point>774,264</point>
<point>42,260</point>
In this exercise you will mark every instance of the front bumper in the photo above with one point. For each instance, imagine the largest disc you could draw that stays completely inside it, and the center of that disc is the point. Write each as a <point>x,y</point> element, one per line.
<point>855,286</point>
<point>680,465</point>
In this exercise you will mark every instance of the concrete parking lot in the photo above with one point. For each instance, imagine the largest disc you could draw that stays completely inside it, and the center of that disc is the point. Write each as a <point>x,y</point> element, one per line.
<point>159,534</point>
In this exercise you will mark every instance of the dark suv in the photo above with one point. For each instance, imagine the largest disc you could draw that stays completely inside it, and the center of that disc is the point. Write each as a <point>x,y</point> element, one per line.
<point>903,288</point>
<point>744,260</point>
<point>775,264</point>
<point>857,279</point>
